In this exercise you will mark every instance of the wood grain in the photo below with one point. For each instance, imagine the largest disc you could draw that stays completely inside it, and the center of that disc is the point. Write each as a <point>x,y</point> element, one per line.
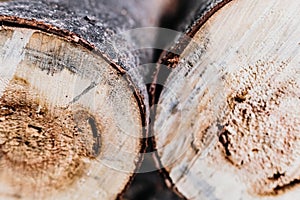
<point>228,124</point>
<point>72,112</point>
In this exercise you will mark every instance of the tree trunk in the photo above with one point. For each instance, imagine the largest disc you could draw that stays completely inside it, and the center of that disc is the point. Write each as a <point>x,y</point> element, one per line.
<point>73,110</point>
<point>228,121</point>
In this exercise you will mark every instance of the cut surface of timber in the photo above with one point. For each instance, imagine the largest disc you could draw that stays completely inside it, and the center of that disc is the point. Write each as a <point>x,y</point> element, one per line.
<point>72,112</point>
<point>228,124</point>
<point>69,123</point>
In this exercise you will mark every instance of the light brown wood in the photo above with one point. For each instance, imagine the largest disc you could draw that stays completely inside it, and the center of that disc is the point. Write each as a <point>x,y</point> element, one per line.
<point>228,124</point>
<point>70,124</point>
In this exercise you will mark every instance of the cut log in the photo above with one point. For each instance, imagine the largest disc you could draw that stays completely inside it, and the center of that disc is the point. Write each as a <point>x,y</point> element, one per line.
<point>72,113</point>
<point>228,123</point>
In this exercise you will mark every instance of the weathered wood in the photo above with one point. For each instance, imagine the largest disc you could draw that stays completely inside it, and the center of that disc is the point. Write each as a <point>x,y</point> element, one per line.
<point>72,110</point>
<point>228,124</point>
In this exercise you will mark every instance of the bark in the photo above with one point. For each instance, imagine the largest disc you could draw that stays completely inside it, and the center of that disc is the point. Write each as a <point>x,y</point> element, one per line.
<point>227,123</point>
<point>146,13</point>
<point>73,109</point>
